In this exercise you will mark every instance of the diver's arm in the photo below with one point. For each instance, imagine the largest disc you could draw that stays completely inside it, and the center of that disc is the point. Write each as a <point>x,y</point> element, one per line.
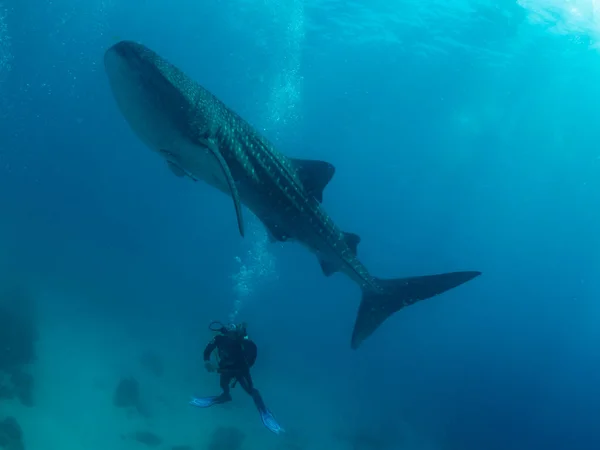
<point>209,349</point>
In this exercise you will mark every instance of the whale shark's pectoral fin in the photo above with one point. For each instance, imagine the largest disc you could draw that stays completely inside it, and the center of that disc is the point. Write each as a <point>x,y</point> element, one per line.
<point>235,196</point>
<point>176,170</point>
<point>315,175</point>
<point>174,167</point>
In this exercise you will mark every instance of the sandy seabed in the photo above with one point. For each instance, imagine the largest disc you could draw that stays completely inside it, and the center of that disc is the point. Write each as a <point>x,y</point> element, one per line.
<point>81,361</point>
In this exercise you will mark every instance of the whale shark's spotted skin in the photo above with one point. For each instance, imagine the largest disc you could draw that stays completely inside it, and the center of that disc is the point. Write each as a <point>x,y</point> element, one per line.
<point>201,138</point>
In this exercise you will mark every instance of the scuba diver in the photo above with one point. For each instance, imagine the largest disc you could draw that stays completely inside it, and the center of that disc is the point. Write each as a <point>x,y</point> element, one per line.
<point>236,354</point>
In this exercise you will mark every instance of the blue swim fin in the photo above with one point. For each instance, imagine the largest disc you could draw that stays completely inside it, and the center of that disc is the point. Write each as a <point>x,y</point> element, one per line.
<point>267,418</point>
<point>269,421</point>
<point>205,402</point>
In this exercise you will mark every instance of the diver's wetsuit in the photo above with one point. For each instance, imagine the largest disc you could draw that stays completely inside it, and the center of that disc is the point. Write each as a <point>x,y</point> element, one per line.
<point>236,356</point>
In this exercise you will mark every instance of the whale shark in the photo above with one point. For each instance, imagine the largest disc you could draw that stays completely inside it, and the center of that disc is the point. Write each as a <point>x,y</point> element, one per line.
<point>202,139</point>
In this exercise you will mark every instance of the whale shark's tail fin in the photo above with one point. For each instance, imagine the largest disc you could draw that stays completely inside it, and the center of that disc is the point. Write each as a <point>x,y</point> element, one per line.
<point>377,306</point>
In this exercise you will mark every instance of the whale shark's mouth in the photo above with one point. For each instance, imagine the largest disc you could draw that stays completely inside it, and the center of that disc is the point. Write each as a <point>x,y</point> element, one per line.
<point>128,52</point>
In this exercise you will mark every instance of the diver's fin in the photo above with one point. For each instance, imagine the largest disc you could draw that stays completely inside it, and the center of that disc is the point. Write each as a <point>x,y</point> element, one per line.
<point>177,171</point>
<point>328,267</point>
<point>205,402</point>
<point>265,415</point>
<point>315,175</point>
<point>235,196</point>
<point>376,307</point>
<point>269,421</point>
<point>352,240</point>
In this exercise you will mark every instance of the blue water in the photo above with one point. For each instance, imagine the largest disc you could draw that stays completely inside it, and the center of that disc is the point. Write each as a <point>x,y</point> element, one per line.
<point>464,136</point>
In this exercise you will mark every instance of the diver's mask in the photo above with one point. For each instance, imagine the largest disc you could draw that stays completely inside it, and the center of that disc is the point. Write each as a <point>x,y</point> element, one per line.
<point>236,331</point>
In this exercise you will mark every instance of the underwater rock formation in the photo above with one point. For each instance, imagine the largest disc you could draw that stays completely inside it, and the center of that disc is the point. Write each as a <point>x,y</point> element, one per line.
<point>18,330</point>
<point>362,439</point>
<point>148,438</point>
<point>127,395</point>
<point>7,390</point>
<point>226,438</point>
<point>6,393</point>
<point>152,363</point>
<point>292,440</point>
<point>18,336</point>
<point>11,435</point>
<point>366,441</point>
<point>23,386</point>
<point>17,383</point>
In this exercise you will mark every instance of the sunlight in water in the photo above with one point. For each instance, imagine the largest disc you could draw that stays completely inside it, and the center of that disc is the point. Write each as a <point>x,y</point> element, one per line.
<point>258,265</point>
<point>286,90</point>
<point>566,16</point>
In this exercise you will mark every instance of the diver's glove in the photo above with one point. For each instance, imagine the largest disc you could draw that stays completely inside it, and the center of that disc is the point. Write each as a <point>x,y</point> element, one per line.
<point>210,366</point>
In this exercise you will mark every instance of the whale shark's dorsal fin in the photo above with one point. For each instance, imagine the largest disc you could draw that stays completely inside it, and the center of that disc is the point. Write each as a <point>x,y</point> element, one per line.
<point>352,240</point>
<point>235,195</point>
<point>315,175</point>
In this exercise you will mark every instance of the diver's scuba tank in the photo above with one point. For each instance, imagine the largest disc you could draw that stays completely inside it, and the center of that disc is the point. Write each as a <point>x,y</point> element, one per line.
<point>239,334</point>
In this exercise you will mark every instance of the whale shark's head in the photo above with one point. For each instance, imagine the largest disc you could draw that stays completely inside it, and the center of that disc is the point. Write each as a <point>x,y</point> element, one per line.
<point>142,85</point>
